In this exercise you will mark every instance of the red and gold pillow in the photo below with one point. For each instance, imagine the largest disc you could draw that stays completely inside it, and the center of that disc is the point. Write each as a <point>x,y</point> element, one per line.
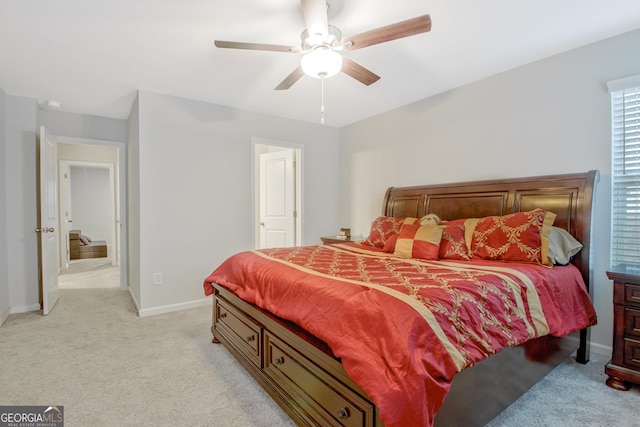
<point>385,227</point>
<point>418,241</point>
<point>453,245</point>
<point>522,236</point>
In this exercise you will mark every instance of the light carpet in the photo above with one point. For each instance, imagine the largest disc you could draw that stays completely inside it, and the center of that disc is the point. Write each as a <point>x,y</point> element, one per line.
<point>89,273</point>
<point>108,367</point>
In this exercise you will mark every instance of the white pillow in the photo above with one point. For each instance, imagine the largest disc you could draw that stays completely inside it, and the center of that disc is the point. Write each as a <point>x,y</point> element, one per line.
<point>562,246</point>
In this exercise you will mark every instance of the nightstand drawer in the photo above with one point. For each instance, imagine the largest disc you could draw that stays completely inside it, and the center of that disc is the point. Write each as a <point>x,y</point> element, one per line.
<point>632,353</point>
<point>632,321</point>
<point>632,293</point>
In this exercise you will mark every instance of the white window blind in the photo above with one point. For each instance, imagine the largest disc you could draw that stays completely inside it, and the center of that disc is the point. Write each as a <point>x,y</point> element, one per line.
<point>625,173</point>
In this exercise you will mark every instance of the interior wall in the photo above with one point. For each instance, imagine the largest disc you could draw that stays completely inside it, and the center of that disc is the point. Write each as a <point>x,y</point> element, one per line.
<point>85,126</point>
<point>22,118</point>
<point>133,206</point>
<point>195,184</point>
<point>4,276</point>
<point>548,117</point>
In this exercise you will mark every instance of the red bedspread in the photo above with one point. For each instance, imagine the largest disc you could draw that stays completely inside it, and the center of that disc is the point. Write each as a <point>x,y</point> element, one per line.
<point>404,327</point>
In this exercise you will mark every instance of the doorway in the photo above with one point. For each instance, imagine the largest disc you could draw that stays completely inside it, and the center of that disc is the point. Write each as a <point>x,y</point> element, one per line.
<point>92,208</point>
<point>277,193</point>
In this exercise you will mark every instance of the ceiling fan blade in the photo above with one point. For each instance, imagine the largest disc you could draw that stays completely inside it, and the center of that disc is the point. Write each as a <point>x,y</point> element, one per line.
<point>315,16</point>
<point>407,28</point>
<point>358,72</point>
<point>253,46</point>
<point>291,79</point>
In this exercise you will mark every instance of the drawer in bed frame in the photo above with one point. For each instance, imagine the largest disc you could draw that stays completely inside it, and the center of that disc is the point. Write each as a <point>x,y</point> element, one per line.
<point>242,331</point>
<point>326,400</point>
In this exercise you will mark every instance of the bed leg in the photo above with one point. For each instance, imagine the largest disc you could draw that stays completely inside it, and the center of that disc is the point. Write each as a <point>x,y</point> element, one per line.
<point>583,351</point>
<point>214,340</point>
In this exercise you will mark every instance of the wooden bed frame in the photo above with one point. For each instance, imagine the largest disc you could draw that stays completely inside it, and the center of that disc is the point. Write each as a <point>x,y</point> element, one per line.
<point>304,377</point>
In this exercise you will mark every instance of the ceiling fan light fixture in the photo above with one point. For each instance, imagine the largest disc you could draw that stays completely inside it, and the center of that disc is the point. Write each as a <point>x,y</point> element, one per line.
<point>321,62</point>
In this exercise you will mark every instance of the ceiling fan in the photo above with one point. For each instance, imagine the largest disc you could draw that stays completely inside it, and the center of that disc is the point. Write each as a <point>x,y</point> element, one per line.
<point>322,45</point>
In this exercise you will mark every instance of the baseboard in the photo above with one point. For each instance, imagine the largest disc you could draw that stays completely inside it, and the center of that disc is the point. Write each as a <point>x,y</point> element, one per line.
<point>5,315</point>
<point>135,301</point>
<point>596,348</point>
<point>25,308</point>
<point>174,307</point>
<point>600,349</point>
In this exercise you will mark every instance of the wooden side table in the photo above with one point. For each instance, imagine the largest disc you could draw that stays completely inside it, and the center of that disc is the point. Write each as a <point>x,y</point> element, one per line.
<point>624,367</point>
<point>331,240</point>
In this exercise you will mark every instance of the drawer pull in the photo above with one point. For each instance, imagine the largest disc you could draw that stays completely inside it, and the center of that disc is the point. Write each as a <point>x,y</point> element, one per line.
<point>251,338</point>
<point>279,361</point>
<point>343,413</point>
<point>223,315</point>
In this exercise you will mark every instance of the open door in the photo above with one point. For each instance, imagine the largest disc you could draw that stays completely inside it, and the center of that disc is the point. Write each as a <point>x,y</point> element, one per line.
<point>47,222</point>
<point>277,200</point>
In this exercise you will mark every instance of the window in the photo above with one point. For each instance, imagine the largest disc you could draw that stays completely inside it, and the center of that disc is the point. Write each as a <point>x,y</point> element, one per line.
<point>625,172</point>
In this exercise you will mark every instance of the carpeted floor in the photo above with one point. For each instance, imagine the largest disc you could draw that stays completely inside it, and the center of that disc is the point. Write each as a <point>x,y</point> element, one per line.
<point>108,367</point>
<point>89,273</point>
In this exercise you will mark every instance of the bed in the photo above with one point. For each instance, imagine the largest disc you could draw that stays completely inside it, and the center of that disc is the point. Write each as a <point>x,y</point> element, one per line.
<point>317,359</point>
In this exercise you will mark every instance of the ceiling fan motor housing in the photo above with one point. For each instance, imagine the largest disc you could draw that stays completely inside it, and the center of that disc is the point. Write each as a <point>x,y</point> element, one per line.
<point>333,39</point>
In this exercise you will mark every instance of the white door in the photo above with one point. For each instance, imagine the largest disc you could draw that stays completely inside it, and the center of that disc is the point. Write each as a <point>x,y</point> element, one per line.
<point>277,199</point>
<point>48,222</point>
<point>65,214</point>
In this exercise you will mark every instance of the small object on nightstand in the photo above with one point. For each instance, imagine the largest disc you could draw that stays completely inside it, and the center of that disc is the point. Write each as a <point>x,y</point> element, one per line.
<point>624,366</point>
<point>345,232</point>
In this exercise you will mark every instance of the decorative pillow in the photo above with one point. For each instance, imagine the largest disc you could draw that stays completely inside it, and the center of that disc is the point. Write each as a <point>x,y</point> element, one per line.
<point>384,227</point>
<point>419,241</point>
<point>522,236</point>
<point>562,246</point>
<point>453,245</point>
<point>390,245</point>
<point>430,219</point>
<point>82,240</point>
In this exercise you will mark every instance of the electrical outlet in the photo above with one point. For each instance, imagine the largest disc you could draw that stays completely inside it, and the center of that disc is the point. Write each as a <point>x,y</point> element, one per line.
<point>157,278</point>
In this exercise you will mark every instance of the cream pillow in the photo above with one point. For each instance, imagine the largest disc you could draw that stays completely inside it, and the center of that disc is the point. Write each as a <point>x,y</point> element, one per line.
<point>562,246</point>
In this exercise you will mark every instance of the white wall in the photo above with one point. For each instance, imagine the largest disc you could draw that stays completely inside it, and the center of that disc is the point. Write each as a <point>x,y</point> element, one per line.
<point>92,203</point>
<point>548,117</point>
<point>133,212</point>
<point>22,117</point>
<point>195,184</point>
<point>88,153</point>
<point>85,126</point>
<point>4,275</point>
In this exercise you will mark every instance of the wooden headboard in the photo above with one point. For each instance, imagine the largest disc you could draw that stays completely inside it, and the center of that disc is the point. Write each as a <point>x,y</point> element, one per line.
<point>569,196</point>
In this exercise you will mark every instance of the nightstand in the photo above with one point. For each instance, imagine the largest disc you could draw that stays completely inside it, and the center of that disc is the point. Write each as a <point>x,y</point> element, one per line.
<point>331,240</point>
<point>624,367</point>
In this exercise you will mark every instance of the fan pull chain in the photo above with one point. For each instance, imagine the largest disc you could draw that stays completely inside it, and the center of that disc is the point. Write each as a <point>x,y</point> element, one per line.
<point>322,99</point>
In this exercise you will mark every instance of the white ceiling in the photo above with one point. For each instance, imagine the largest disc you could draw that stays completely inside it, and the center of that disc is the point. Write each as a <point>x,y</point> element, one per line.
<point>93,55</point>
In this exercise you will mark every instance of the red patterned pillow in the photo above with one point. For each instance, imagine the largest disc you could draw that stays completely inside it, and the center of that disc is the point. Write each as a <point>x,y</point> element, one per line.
<point>522,236</point>
<point>419,241</point>
<point>384,227</point>
<point>453,245</point>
